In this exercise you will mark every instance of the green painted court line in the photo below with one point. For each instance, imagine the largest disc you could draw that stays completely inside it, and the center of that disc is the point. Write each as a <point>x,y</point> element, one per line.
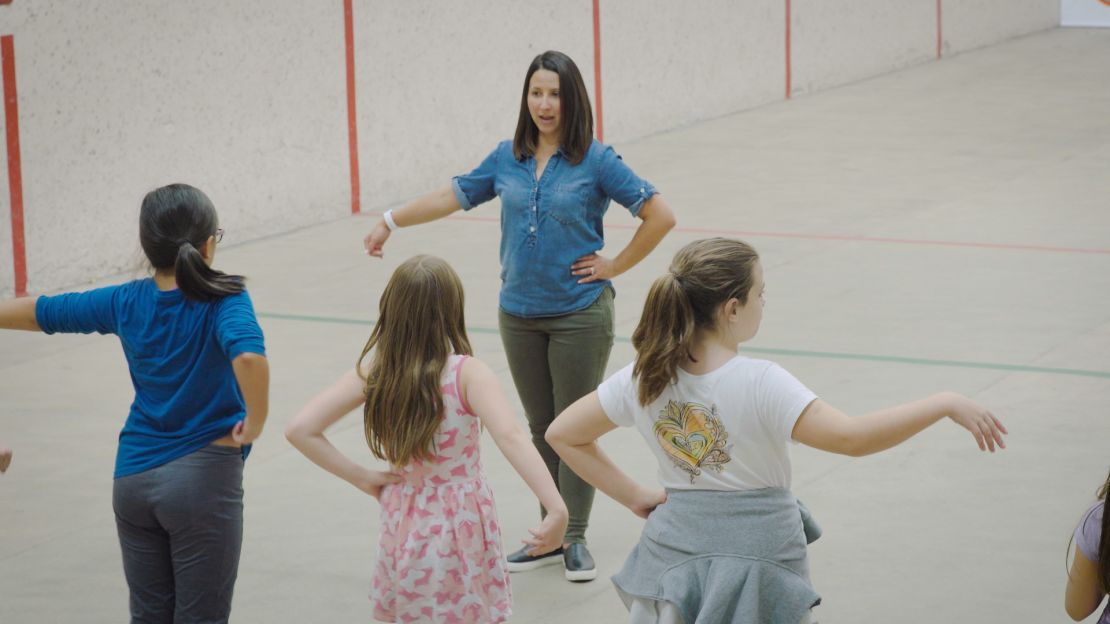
<point>1017,368</point>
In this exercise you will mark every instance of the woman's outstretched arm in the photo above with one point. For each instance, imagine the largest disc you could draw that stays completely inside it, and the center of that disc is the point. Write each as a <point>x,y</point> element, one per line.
<point>429,207</point>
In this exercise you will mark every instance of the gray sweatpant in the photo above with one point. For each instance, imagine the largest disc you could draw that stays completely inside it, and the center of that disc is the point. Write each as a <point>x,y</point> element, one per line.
<point>180,528</point>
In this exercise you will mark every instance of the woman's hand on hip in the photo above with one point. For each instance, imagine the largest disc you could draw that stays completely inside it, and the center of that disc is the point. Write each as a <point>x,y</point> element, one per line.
<point>594,267</point>
<point>375,240</point>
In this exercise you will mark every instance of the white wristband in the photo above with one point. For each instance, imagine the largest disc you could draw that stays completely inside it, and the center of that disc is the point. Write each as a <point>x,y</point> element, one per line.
<point>389,222</point>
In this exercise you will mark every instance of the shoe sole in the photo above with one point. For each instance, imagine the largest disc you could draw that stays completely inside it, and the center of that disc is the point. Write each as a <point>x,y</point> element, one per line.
<point>581,576</point>
<point>533,565</point>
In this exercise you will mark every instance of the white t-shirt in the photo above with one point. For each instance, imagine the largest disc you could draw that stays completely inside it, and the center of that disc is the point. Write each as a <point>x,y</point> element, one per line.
<point>725,430</point>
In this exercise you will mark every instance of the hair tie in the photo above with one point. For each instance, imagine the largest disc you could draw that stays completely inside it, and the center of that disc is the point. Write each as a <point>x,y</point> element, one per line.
<point>183,241</point>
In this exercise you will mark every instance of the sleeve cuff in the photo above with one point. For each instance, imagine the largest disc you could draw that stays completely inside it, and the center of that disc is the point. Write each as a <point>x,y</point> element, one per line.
<point>464,201</point>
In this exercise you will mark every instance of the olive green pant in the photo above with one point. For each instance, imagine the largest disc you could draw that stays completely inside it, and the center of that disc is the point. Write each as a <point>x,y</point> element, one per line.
<point>554,362</point>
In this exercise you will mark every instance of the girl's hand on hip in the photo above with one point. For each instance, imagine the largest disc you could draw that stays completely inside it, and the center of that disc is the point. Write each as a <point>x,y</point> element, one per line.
<point>375,240</point>
<point>374,480</point>
<point>647,500</point>
<point>593,267</point>
<point>982,424</point>
<point>549,535</point>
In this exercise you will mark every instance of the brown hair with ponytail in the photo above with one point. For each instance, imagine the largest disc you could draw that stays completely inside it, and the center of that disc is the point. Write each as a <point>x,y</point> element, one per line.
<point>703,275</point>
<point>420,323</point>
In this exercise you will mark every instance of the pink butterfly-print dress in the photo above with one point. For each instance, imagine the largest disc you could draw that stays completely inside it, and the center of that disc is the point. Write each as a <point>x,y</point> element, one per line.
<point>439,552</point>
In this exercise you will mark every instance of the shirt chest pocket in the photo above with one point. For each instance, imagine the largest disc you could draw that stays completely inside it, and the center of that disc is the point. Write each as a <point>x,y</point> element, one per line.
<point>568,204</point>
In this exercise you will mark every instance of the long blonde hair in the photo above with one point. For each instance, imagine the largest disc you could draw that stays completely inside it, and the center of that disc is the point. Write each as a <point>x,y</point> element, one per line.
<point>420,323</point>
<point>703,275</point>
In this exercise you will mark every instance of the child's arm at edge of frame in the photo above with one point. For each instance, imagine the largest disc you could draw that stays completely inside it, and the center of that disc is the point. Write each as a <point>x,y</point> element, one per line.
<point>1083,594</point>
<point>252,372</point>
<point>824,427</point>
<point>487,400</point>
<point>574,436</point>
<point>305,432</point>
<point>19,314</point>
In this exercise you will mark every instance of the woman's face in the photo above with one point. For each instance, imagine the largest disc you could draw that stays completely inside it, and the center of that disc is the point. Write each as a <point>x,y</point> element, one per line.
<point>543,103</point>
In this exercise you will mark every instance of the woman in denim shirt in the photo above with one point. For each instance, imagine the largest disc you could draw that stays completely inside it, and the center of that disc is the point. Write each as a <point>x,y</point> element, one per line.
<point>556,305</point>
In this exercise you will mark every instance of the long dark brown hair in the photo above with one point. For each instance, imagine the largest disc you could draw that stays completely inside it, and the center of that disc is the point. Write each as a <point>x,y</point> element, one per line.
<point>420,323</point>
<point>1103,562</point>
<point>576,116</point>
<point>175,222</point>
<point>703,275</point>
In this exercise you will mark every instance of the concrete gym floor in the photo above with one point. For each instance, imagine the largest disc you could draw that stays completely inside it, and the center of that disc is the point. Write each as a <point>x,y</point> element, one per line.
<point>943,227</point>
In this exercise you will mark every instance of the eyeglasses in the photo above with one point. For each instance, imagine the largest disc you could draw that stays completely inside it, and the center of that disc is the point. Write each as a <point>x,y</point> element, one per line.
<point>219,235</point>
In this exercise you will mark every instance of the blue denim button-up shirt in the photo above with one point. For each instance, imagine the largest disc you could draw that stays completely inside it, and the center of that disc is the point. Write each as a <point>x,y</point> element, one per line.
<point>549,223</point>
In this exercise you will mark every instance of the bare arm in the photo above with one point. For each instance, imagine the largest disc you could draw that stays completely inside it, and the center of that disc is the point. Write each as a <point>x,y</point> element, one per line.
<point>574,436</point>
<point>252,372</point>
<point>19,314</point>
<point>486,399</point>
<point>434,205</point>
<point>306,432</point>
<point>824,427</point>
<point>658,219</point>
<point>1083,593</point>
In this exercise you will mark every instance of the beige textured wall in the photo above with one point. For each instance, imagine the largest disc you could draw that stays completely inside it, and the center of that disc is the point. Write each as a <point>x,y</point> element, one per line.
<point>247,99</point>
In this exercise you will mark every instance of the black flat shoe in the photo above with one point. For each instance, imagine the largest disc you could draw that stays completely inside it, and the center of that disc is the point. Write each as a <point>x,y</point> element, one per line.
<point>521,561</point>
<point>579,564</point>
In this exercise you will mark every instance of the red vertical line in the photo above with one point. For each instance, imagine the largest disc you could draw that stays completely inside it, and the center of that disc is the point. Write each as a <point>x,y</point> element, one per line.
<point>352,117</point>
<point>597,69</point>
<point>788,69</point>
<point>15,170</point>
<point>940,37</point>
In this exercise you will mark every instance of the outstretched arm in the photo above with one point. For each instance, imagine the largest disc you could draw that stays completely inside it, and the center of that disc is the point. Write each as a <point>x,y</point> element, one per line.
<point>252,372</point>
<point>824,427</point>
<point>658,219</point>
<point>574,436</point>
<point>19,314</point>
<point>306,433</point>
<point>486,399</point>
<point>434,205</point>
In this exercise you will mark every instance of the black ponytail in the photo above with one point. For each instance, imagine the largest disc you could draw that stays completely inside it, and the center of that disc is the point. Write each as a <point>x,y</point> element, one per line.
<point>175,222</point>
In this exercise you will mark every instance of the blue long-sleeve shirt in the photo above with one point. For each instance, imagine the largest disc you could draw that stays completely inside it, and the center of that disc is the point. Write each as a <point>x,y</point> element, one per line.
<point>179,353</point>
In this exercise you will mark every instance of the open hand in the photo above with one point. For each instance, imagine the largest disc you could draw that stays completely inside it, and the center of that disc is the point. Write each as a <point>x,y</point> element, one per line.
<point>549,535</point>
<point>375,240</point>
<point>982,424</point>
<point>593,267</point>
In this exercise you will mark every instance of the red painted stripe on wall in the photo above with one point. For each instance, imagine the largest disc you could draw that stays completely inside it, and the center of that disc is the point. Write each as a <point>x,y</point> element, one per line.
<point>15,170</point>
<point>352,118</point>
<point>597,70</point>
<point>788,78</point>
<point>940,37</point>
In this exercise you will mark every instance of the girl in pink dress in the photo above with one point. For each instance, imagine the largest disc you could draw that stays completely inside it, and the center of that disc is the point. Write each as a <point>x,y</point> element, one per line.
<point>425,403</point>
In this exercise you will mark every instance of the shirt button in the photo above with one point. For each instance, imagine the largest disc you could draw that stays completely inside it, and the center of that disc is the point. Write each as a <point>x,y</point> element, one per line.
<point>532,229</point>
<point>533,208</point>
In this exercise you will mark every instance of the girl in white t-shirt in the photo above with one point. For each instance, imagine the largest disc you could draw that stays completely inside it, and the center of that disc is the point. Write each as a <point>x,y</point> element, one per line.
<point>729,544</point>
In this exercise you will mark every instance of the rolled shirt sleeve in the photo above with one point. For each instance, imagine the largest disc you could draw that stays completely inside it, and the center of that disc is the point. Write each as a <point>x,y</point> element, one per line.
<point>477,187</point>
<point>621,184</point>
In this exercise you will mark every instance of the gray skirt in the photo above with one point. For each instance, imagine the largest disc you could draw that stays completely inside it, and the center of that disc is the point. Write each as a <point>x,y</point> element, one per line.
<point>725,557</point>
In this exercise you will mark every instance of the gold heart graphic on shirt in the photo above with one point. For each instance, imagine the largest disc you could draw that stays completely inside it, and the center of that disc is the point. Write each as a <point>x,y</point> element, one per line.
<point>692,436</point>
